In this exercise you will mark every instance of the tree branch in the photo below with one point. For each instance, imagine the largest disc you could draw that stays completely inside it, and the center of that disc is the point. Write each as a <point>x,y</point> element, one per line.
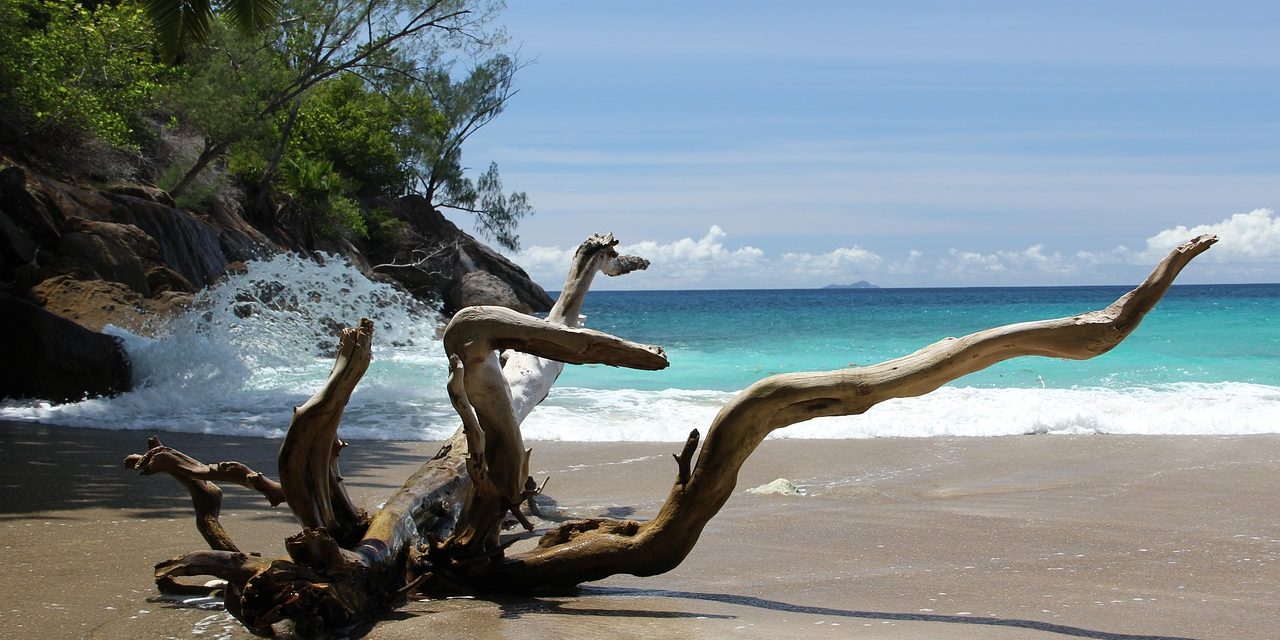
<point>309,472</point>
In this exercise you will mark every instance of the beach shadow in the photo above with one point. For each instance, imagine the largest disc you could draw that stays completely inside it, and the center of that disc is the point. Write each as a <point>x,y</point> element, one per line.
<point>618,513</point>
<point>47,469</point>
<point>775,605</point>
<point>517,608</point>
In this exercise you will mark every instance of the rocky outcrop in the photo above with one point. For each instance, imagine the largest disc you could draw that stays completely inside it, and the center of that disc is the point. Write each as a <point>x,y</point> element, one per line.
<point>433,258</point>
<point>53,358</point>
<point>121,256</point>
<point>186,244</point>
<point>125,256</point>
<point>94,304</point>
<point>482,287</point>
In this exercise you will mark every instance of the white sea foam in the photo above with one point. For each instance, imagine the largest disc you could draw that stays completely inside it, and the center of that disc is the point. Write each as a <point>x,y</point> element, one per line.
<point>1178,409</point>
<point>261,342</point>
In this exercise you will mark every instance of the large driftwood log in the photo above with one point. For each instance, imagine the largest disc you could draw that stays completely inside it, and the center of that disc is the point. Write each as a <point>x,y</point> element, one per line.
<point>593,549</point>
<point>439,533</point>
<point>332,581</point>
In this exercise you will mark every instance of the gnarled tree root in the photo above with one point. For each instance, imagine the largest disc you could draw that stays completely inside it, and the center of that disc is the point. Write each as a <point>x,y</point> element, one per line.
<point>198,478</point>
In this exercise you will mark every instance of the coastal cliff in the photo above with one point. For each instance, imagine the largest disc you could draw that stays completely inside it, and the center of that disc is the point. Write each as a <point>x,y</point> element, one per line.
<point>125,255</point>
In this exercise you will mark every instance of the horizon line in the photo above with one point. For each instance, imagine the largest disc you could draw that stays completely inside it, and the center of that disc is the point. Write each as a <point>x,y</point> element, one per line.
<point>898,288</point>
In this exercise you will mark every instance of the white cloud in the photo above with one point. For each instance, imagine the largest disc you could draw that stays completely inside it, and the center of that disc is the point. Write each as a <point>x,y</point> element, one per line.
<point>710,262</point>
<point>687,253</point>
<point>1251,241</point>
<point>968,263</point>
<point>1035,258</point>
<point>838,263</point>
<point>1248,250</point>
<point>1253,236</point>
<point>1032,264</point>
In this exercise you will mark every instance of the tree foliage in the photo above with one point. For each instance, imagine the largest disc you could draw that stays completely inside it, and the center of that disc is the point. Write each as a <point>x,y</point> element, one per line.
<point>68,69</point>
<point>367,87</point>
<point>335,106</point>
<point>450,112</point>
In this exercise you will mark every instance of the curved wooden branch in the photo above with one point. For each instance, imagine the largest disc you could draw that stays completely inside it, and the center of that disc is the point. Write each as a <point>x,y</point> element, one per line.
<point>431,502</point>
<point>234,567</point>
<point>309,472</point>
<point>483,399</point>
<point>332,580</point>
<point>531,377</point>
<point>440,530</point>
<point>198,478</point>
<point>591,550</point>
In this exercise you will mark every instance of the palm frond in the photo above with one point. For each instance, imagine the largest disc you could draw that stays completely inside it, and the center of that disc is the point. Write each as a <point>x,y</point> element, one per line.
<point>180,23</point>
<point>251,15</point>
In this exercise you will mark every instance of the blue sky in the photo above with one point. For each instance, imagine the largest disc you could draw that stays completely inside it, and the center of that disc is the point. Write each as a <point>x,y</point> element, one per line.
<point>765,144</point>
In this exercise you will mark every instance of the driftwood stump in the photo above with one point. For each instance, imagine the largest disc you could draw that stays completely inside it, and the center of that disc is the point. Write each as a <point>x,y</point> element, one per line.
<point>440,533</point>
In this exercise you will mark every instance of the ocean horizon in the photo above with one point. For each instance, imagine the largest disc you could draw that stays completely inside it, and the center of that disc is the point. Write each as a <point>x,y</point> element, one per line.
<point>1202,362</point>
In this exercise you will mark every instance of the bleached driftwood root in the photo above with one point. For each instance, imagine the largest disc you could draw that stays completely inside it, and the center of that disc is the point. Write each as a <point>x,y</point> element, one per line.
<point>593,549</point>
<point>440,532</point>
<point>345,567</point>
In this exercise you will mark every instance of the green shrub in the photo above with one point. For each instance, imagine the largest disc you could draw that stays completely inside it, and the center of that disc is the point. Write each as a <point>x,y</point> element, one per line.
<point>68,70</point>
<point>318,201</point>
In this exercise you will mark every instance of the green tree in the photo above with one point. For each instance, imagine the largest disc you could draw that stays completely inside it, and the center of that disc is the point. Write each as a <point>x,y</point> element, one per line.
<point>441,115</point>
<point>367,86</point>
<point>323,39</point>
<point>70,69</point>
<point>319,202</point>
<point>359,130</point>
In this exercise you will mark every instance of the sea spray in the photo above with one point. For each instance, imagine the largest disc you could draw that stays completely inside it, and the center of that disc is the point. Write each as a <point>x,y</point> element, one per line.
<point>258,343</point>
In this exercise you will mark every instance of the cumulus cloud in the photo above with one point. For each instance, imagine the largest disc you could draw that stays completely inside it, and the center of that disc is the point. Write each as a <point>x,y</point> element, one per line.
<point>1033,263</point>
<point>687,256</point>
<point>963,263</point>
<point>711,262</point>
<point>1242,237</point>
<point>1250,240</point>
<point>1249,249</point>
<point>837,263</point>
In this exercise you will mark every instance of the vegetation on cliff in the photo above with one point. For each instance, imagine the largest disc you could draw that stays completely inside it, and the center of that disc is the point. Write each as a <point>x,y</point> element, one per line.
<point>310,124</point>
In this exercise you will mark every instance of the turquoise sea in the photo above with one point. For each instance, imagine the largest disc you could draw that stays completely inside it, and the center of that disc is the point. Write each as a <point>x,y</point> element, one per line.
<point>1203,362</point>
<point>726,340</point>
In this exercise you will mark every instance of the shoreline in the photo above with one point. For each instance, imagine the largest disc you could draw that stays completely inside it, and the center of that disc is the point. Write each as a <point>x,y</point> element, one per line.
<point>1046,536</point>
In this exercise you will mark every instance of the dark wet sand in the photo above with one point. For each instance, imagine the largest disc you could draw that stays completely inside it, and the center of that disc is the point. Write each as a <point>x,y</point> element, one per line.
<point>1111,537</point>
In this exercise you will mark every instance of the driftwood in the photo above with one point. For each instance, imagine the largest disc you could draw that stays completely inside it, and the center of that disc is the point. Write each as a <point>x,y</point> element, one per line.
<point>440,533</point>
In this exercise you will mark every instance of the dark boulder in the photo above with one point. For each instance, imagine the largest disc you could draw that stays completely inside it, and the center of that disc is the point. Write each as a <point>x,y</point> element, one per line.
<point>90,249</point>
<point>55,359</point>
<point>432,256</point>
<point>28,207</point>
<point>482,287</point>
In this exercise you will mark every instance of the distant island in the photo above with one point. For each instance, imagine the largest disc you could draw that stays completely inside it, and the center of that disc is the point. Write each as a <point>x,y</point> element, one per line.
<point>861,284</point>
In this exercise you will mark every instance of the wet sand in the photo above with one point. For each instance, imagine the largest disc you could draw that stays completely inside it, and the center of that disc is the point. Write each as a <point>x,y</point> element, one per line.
<point>1111,537</point>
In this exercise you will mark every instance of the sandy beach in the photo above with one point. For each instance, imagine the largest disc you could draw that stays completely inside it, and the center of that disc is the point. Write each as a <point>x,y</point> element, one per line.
<point>1012,537</point>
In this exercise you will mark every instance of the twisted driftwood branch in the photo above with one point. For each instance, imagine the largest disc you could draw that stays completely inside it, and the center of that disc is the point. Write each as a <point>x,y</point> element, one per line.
<point>198,478</point>
<point>308,459</point>
<point>590,550</point>
<point>344,568</point>
<point>439,533</point>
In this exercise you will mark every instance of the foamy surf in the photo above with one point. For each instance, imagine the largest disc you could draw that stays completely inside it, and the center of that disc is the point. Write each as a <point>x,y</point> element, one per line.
<point>1175,409</point>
